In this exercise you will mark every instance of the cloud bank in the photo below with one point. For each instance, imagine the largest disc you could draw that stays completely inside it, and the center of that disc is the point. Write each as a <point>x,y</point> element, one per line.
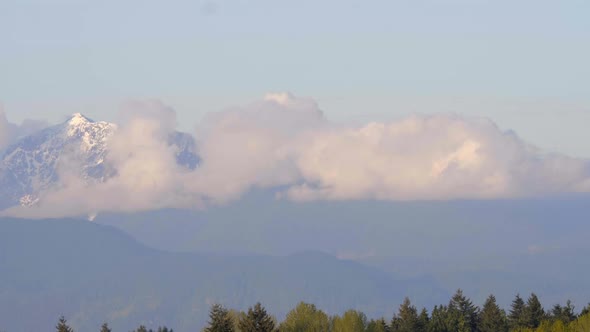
<point>286,144</point>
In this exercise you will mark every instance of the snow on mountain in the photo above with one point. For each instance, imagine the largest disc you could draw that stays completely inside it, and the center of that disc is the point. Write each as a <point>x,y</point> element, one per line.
<point>78,146</point>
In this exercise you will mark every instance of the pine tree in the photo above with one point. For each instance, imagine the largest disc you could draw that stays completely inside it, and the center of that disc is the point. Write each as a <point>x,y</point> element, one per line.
<point>406,320</point>
<point>105,328</point>
<point>423,321</point>
<point>516,317</point>
<point>141,328</point>
<point>585,310</point>
<point>439,321</point>
<point>462,313</point>
<point>62,325</point>
<point>534,313</point>
<point>257,320</point>
<point>568,313</point>
<point>492,318</point>
<point>219,320</point>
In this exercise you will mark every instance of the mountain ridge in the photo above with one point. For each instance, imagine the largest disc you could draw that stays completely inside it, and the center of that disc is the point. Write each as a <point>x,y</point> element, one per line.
<point>79,147</point>
<point>60,264</point>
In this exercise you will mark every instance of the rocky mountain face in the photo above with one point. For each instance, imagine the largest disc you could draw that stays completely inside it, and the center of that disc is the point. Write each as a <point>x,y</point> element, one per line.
<point>77,147</point>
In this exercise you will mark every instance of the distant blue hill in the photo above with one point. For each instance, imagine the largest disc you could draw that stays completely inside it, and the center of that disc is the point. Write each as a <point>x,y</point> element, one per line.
<point>92,273</point>
<point>491,246</point>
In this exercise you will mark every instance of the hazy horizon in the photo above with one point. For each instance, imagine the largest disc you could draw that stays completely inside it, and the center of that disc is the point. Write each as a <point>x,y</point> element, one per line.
<point>159,157</point>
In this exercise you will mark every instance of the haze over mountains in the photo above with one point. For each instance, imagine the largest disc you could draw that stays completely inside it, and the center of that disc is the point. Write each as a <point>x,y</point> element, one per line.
<point>272,202</point>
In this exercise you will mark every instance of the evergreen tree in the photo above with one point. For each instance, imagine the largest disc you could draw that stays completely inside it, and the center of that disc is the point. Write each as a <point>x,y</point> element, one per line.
<point>534,313</point>
<point>219,320</point>
<point>492,318</point>
<point>463,314</point>
<point>406,320</point>
<point>569,313</point>
<point>141,328</point>
<point>105,328</point>
<point>585,310</point>
<point>379,325</point>
<point>62,325</point>
<point>305,318</point>
<point>257,320</point>
<point>423,321</point>
<point>164,329</point>
<point>439,320</point>
<point>516,317</point>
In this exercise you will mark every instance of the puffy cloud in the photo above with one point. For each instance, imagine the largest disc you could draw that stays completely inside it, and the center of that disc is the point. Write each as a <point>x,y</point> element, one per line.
<point>146,174</point>
<point>429,157</point>
<point>285,143</point>
<point>251,146</point>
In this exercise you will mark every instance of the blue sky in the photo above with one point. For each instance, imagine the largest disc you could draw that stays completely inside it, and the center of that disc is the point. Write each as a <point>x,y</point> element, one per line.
<point>523,64</point>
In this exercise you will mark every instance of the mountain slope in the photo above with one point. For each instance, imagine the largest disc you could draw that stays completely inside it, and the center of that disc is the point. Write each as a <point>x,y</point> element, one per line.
<point>77,147</point>
<point>93,273</point>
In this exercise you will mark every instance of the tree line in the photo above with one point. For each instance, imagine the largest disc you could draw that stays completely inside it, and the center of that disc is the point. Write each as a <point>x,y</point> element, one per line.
<point>459,315</point>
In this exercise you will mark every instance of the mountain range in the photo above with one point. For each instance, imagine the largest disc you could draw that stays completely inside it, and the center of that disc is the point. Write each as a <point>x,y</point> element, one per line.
<point>93,273</point>
<point>35,163</point>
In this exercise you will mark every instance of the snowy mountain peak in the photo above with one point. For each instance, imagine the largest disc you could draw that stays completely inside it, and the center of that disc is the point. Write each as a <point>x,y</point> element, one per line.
<point>79,119</point>
<point>89,131</point>
<point>35,163</point>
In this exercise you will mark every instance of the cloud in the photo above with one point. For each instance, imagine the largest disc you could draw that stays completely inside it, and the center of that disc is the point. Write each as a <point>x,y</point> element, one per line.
<point>251,146</point>
<point>146,174</point>
<point>285,143</point>
<point>430,157</point>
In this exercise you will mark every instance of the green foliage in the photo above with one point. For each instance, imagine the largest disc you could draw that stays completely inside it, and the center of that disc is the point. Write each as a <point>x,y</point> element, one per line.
<point>219,320</point>
<point>141,328</point>
<point>105,328</point>
<point>406,319</point>
<point>534,312</point>
<point>439,319</point>
<point>423,320</point>
<point>582,324</point>
<point>462,314</point>
<point>164,329</point>
<point>379,325</point>
<point>62,325</point>
<point>517,315</point>
<point>351,321</point>
<point>305,318</point>
<point>257,320</point>
<point>563,313</point>
<point>492,318</point>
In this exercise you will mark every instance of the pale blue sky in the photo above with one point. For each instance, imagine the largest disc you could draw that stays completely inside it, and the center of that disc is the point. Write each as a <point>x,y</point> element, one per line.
<point>525,64</point>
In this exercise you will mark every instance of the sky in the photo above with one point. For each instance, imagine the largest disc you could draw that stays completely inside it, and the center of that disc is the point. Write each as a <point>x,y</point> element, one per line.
<point>523,64</point>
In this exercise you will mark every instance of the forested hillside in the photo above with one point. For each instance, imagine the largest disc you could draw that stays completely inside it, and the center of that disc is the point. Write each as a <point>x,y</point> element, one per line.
<point>460,314</point>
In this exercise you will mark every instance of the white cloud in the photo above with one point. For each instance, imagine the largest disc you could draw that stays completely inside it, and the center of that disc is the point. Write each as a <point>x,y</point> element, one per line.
<point>429,157</point>
<point>251,146</point>
<point>285,142</point>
